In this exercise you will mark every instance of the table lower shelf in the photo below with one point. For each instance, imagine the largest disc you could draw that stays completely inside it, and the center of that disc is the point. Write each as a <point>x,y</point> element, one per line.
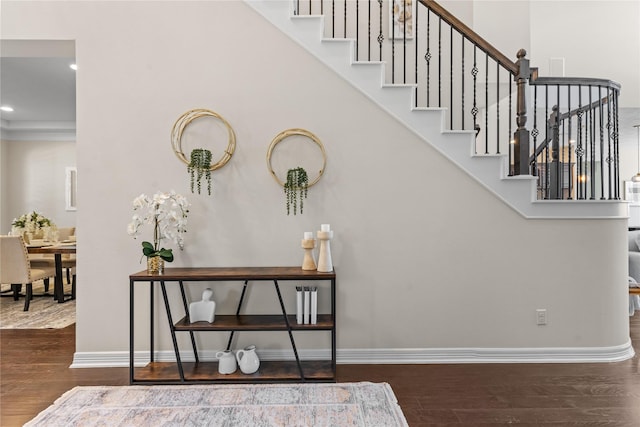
<point>270,371</point>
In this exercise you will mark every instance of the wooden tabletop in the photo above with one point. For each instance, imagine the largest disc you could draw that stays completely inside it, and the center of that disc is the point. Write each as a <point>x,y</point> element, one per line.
<point>234,273</point>
<point>54,249</point>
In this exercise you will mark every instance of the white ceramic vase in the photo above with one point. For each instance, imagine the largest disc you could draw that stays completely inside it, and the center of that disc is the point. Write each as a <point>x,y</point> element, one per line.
<point>248,359</point>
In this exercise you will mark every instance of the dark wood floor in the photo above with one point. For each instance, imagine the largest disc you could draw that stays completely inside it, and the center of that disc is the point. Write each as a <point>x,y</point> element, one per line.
<point>34,372</point>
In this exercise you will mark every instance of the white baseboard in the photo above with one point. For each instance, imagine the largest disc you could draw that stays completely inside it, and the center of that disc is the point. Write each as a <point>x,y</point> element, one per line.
<point>385,356</point>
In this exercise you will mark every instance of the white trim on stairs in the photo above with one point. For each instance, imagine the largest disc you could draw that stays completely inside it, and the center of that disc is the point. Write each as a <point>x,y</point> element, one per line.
<point>385,356</point>
<point>517,192</point>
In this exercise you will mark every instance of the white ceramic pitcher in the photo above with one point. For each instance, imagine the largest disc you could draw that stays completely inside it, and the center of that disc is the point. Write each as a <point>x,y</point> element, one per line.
<point>248,359</point>
<point>226,362</point>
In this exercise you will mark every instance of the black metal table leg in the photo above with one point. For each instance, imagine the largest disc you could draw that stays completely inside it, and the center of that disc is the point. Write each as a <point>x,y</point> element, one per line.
<point>58,284</point>
<point>131,340</point>
<point>186,313</point>
<point>172,328</point>
<point>333,328</point>
<point>151,317</point>
<point>286,319</point>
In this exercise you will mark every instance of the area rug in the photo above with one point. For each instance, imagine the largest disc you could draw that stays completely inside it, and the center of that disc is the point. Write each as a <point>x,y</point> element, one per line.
<point>44,312</point>
<point>266,405</point>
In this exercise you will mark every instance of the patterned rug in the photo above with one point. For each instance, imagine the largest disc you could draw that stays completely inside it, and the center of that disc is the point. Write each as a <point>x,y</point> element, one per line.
<point>347,404</point>
<point>44,312</point>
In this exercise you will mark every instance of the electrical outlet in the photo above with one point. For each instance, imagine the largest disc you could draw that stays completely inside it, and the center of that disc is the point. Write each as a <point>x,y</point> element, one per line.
<point>541,316</point>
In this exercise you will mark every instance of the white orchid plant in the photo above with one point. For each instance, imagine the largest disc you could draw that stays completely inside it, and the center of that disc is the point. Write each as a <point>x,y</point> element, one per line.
<point>167,212</point>
<point>32,222</point>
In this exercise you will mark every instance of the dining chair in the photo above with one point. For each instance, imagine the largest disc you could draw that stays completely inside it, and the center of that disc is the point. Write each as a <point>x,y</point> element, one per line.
<point>16,270</point>
<point>67,234</point>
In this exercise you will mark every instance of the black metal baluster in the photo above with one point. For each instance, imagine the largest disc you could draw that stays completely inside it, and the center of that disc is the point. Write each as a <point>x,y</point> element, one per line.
<point>546,137</point>
<point>616,145</point>
<point>450,77</point>
<point>579,149</point>
<point>427,56</point>
<point>609,157</point>
<point>592,146</point>
<point>439,62</point>
<point>462,83</point>
<point>562,160</point>
<point>556,156</point>
<point>498,107</point>
<point>393,48</point>
<point>369,31</point>
<point>380,35</point>
<point>333,18</point>
<point>404,44</point>
<point>344,31</point>
<point>474,110</point>
<point>601,135</point>
<point>416,91</point>
<point>486,103</point>
<point>570,171</point>
<point>535,133</point>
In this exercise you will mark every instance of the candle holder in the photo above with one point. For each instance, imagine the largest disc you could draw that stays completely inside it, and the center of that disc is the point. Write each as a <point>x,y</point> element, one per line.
<point>308,263</point>
<point>324,258</point>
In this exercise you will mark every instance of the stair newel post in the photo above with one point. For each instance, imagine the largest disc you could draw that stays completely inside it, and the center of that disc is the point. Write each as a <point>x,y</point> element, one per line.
<point>554,168</point>
<point>521,135</point>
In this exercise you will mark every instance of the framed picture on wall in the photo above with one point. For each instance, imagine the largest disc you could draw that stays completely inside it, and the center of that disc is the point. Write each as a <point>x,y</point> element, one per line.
<point>402,15</point>
<point>70,184</point>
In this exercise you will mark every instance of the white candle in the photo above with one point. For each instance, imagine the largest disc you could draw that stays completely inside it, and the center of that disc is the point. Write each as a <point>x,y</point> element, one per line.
<point>325,227</point>
<point>308,235</point>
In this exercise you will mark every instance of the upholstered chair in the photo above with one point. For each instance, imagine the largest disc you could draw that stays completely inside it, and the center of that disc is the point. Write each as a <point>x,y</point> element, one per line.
<point>634,269</point>
<point>16,270</point>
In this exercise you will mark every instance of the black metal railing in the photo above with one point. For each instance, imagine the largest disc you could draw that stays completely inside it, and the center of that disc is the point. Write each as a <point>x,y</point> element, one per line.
<point>575,144</point>
<point>481,89</point>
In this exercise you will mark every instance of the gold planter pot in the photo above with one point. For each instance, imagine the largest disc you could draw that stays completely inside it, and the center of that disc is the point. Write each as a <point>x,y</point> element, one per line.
<point>155,265</point>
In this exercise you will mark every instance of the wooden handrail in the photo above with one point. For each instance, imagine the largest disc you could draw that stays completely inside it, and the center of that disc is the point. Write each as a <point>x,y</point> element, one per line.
<point>471,35</point>
<point>573,81</point>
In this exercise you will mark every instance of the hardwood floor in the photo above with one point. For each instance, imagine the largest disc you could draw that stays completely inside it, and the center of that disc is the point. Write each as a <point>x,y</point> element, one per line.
<point>34,372</point>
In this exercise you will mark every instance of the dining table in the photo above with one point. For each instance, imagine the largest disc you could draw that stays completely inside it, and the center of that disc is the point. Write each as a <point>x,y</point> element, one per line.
<point>57,250</point>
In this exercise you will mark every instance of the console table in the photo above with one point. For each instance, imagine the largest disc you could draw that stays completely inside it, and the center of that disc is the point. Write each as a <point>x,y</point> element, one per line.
<point>207,371</point>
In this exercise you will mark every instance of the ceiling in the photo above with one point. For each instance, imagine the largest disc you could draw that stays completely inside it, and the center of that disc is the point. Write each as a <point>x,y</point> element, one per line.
<point>38,89</point>
<point>37,82</point>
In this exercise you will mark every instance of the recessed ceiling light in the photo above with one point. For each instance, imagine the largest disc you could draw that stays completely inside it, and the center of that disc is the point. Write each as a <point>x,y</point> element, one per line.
<point>74,67</point>
<point>6,108</point>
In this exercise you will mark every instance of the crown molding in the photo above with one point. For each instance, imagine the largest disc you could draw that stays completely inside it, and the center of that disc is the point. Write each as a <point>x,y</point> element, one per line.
<point>17,130</point>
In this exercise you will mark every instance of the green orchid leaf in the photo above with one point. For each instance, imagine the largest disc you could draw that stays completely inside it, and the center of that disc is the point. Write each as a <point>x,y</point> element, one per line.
<point>166,254</point>
<point>148,252</point>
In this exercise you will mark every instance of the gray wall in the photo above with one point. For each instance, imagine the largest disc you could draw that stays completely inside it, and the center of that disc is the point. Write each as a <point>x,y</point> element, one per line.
<point>426,257</point>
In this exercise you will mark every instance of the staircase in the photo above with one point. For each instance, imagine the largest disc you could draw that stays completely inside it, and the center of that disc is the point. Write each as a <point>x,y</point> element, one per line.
<point>429,123</point>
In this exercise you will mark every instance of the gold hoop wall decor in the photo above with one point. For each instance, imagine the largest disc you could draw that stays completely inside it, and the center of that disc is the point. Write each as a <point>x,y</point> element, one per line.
<point>191,115</point>
<point>292,132</point>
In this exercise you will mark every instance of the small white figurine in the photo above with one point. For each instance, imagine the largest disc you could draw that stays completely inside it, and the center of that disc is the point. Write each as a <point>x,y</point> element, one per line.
<point>204,310</point>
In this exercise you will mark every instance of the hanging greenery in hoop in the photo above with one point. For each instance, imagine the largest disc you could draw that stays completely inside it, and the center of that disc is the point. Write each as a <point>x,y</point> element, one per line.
<point>199,166</point>
<point>201,163</point>
<point>297,182</point>
<point>296,188</point>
